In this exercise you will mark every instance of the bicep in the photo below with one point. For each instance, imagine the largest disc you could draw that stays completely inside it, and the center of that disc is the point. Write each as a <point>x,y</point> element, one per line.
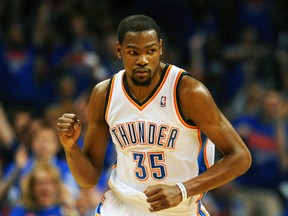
<point>95,143</point>
<point>97,136</point>
<point>203,111</point>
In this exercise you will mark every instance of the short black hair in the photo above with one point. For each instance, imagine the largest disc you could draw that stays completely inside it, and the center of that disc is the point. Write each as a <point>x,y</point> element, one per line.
<point>136,23</point>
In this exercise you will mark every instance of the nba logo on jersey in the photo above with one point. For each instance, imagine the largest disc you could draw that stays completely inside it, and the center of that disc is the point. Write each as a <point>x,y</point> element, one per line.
<point>163,101</point>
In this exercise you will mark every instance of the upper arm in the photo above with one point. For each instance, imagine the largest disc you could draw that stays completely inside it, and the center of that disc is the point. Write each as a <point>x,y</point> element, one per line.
<point>197,104</point>
<point>97,136</point>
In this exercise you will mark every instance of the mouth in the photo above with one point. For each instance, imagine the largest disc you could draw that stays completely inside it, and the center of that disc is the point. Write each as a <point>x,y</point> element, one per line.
<point>141,76</point>
<point>141,72</point>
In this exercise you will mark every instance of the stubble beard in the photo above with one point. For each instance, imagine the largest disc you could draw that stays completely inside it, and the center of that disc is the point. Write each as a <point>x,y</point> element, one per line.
<point>141,83</point>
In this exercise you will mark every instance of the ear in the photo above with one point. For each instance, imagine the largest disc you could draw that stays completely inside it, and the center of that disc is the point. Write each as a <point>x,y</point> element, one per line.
<point>118,50</point>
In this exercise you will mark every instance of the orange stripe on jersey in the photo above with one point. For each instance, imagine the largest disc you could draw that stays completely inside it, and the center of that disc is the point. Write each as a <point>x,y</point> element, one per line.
<point>109,98</point>
<point>176,104</point>
<point>205,155</point>
<point>200,141</point>
<point>156,92</point>
<point>114,166</point>
<point>200,197</point>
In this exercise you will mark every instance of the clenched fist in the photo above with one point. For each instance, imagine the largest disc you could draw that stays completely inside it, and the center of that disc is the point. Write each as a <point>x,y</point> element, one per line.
<point>69,129</point>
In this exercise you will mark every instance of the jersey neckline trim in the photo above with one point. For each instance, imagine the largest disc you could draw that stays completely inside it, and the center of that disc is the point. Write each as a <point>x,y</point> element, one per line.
<point>153,94</point>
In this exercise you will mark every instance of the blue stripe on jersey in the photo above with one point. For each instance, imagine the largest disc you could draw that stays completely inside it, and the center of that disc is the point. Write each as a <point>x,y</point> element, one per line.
<point>201,160</point>
<point>115,163</point>
<point>202,168</point>
<point>98,209</point>
<point>200,212</point>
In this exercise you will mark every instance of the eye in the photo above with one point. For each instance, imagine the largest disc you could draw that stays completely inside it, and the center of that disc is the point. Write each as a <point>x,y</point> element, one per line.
<point>132,52</point>
<point>151,51</point>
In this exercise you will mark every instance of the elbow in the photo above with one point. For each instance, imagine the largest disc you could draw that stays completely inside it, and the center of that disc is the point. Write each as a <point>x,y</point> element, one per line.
<point>245,161</point>
<point>88,180</point>
<point>87,184</point>
<point>249,160</point>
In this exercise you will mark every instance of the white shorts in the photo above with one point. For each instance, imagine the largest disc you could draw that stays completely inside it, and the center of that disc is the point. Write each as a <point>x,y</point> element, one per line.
<point>112,206</point>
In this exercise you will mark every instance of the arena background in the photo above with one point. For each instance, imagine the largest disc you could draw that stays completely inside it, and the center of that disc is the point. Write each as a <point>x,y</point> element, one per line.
<point>53,52</point>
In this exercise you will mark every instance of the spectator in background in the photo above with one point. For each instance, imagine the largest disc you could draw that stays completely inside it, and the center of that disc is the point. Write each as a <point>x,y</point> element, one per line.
<point>44,194</point>
<point>45,84</point>
<point>7,145</point>
<point>78,57</point>
<point>255,14</point>
<point>17,60</point>
<point>259,187</point>
<point>108,55</point>
<point>88,201</point>
<point>243,60</point>
<point>44,148</point>
<point>6,184</point>
<point>208,64</point>
<point>247,101</point>
<point>14,132</point>
<point>7,135</point>
<point>281,55</point>
<point>67,88</point>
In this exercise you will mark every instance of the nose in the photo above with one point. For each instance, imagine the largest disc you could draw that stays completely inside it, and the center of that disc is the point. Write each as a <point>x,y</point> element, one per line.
<point>142,60</point>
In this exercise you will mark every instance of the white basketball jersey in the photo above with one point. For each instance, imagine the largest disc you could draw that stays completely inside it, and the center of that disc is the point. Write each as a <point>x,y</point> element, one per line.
<point>153,142</point>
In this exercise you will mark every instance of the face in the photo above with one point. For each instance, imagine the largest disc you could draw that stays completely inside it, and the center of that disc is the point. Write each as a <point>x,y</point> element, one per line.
<point>45,144</point>
<point>272,104</point>
<point>140,52</point>
<point>45,189</point>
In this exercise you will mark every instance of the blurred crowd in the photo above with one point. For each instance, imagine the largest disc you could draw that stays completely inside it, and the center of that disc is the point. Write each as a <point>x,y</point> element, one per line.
<point>53,52</point>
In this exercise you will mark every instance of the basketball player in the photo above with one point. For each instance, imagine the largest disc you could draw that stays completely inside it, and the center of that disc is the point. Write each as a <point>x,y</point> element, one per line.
<point>156,114</point>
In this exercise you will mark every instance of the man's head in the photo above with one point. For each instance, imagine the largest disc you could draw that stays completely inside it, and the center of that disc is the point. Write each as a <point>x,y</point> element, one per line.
<point>140,48</point>
<point>136,23</point>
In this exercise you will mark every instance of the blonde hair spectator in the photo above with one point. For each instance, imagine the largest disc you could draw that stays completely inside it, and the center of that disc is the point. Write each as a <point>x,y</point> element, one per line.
<point>44,194</point>
<point>43,173</point>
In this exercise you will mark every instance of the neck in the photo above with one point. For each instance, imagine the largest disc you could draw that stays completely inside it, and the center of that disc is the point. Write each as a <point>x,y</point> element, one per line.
<point>140,93</point>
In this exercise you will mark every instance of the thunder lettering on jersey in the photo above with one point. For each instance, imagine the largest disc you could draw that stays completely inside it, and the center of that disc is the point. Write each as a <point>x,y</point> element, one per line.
<point>152,140</point>
<point>144,133</point>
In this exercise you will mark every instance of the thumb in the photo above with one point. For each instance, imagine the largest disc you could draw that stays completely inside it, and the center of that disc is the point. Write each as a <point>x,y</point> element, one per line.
<point>77,124</point>
<point>77,129</point>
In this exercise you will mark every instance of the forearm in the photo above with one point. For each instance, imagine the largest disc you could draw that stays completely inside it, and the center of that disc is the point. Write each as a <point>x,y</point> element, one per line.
<point>223,171</point>
<point>81,167</point>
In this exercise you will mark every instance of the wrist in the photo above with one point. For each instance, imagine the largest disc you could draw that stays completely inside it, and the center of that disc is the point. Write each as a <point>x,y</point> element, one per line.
<point>183,191</point>
<point>71,150</point>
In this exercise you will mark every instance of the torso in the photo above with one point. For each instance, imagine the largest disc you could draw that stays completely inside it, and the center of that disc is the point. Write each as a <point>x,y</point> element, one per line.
<point>151,138</point>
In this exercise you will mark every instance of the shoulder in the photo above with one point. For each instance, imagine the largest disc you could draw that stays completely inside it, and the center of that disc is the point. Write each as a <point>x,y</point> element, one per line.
<point>189,86</point>
<point>98,99</point>
<point>101,89</point>
<point>196,102</point>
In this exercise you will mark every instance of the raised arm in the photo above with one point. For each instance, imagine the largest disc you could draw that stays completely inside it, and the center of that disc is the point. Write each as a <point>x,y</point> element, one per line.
<point>198,105</point>
<point>7,135</point>
<point>86,164</point>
